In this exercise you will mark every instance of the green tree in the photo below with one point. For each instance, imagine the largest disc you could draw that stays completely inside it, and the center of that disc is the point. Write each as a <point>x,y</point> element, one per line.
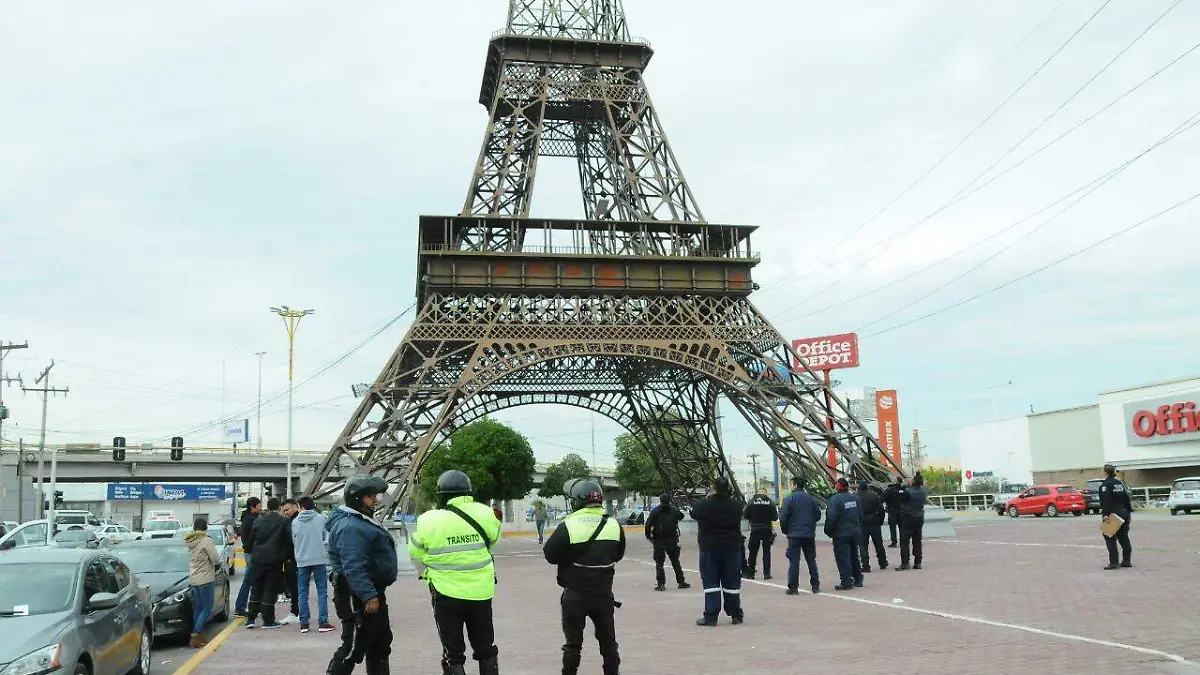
<point>980,486</point>
<point>635,470</point>
<point>570,466</point>
<point>497,458</point>
<point>939,481</point>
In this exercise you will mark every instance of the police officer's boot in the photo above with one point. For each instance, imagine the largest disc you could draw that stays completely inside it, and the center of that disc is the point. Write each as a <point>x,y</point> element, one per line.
<point>377,667</point>
<point>1125,562</point>
<point>454,670</point>
<point>489,666</point>
<point>748,573</point>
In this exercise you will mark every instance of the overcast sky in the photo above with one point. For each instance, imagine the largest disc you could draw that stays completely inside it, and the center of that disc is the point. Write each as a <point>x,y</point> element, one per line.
<point>168,171</point>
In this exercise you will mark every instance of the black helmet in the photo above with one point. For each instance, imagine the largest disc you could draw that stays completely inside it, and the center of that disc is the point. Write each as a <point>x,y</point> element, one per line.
<point>359,486</point>
<point>583,492</point>
<point>452,484</point>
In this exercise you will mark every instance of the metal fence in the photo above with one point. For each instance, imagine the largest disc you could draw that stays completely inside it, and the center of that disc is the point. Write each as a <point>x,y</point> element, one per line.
<point>1142,497</point>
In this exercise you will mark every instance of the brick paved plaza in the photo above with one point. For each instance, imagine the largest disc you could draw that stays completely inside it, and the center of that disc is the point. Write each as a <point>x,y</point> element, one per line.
<point>1004,595</point>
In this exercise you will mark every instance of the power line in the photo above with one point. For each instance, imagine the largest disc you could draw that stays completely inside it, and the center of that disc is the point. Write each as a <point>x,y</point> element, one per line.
<point>1094,186</point>
<point>1043,268</point>
<point>991,180</point>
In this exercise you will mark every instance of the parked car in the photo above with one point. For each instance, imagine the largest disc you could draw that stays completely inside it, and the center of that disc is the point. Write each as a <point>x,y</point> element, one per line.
<point>631,517</point>
<point>76,539</point>
<point>76,520</point>
<point>114,534</point>
<point>166,514</point>
<point>25,535</point>
<point>163,528</point>
<point>1091,495</point>
<point>1185,495</point>
<point>164,565</point>
<point>72,612</point>
<point>1047,500</point>
<point>1000,504</point>
<point>223,540</point>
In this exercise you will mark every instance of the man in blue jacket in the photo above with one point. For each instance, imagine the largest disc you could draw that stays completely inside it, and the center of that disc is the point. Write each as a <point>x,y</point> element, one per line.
<point>798,521</point>
<point>362,557</point>
<point>843,527</point>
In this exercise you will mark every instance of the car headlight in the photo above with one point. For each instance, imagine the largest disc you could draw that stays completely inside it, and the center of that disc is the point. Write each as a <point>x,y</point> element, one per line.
<point>172,599</point>
<point>44,660</point>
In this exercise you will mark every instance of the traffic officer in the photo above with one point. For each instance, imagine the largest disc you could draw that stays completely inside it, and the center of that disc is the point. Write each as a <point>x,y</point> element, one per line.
<point>362,558</point>
<point>1114,501</point>
<point>454,543</point>
<point>842,525</point>
<point>662,529</point>
<point>762,514</point>
<point>586,546</point>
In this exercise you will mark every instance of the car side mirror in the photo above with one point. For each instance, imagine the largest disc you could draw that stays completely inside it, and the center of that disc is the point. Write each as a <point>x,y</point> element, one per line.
<point>11,543</point>
<point>102,601</point>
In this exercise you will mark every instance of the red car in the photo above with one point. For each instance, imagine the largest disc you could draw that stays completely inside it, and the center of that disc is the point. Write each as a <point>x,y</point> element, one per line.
<point>1048,500</point>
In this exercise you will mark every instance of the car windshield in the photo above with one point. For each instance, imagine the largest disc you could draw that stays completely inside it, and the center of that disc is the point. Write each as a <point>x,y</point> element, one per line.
<point>151,559</point>
<point>72,535</point>
<point>41,588</point>
<point>1187,485</point>
<point>162,525</point>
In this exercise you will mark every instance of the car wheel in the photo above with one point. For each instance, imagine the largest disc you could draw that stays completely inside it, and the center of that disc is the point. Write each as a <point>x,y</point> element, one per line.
<point>1013,512</point>
<point>224,615</point>
<point>1052,511</point>
<point>142,667</point>
<point>1077,513</point>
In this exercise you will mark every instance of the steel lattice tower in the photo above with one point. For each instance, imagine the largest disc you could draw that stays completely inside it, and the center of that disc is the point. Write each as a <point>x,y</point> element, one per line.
<point>639,312</point>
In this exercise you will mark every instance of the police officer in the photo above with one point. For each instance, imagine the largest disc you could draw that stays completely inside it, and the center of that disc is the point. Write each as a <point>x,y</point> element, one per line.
<point>842,525</point>
<point>762,514</point>
<point>891,501</point>
<point>912,521</point>
<point>871,517</point>
<point>454,543</point>
<point>662,529</point>
<point>719,524</point>
<point>362,558</point>
<point>586,546</point>
<point>1114,501</point>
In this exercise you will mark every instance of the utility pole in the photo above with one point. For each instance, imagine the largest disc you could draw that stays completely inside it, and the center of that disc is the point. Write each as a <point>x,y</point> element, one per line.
<point>915,451</point>
<point>46,390</point>
<point>291,319</point>
<point>223,406</point>
<point>753,457</point>
<point>258,407</point>
<point>5,348</point>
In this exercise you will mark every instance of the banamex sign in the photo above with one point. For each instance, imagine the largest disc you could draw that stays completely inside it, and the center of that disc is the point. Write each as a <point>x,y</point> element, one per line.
<point>829,352</point>
<point>1163,420</point>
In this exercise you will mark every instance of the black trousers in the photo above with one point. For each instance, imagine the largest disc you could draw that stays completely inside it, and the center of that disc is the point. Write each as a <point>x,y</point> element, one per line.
<point>910,536</point>
<point>291,578</point>
<point>872,533</point>
<point>806,547</point>
<point>577,608</point>
<point>452,615</point>
<point>364,636</point>
<point>264,589</point>
<point>893,522</point>
<point>1122,537</point>
<point>763,537</point>
<point>663,549</point>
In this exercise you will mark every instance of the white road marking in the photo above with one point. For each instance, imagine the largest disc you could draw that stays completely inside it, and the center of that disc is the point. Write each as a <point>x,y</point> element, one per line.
<point>977,620</point>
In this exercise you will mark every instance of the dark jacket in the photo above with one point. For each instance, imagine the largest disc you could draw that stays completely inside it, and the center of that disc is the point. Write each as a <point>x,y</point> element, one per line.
<point>799,515</point>
<point>870,506</point>
<point>272,538</point>
<point>912,502</point>
<point>1114,498</point>
<point>719,521</point>
<point>842,516</point>
<point>246,530</point>
<point>663,523</point>
<point>761,512</point>
<point>361,551</point>
<point>891,498</point>
<point>582,567</point>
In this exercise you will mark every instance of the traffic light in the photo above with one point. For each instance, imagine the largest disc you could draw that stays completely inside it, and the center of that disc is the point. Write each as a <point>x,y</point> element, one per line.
<point>177,448</point>
<point>58,498</point>
<point>118,448</point>
<point>268,490</point>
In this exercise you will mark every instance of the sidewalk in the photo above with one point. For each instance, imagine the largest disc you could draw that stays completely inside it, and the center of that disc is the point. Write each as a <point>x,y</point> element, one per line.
<point>993,597</point>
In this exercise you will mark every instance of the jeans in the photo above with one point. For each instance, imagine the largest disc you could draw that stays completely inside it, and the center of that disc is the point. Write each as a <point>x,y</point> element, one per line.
<point>845,551</point>
<point>577,608</point>
<point>808,547</point>
<point>541,530</point>
<point>721,574</point>
<point>872,534</point>
<point>239,607</point>
<point>202,606</point>
<point>321,578</point>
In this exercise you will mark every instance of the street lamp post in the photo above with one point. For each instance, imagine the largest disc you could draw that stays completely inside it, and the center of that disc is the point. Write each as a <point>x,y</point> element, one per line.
<point>258,407</point>
<point>291,319</point>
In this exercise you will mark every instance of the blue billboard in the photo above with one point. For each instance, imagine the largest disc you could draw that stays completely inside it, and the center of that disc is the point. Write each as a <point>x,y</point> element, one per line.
<point>165,492</point>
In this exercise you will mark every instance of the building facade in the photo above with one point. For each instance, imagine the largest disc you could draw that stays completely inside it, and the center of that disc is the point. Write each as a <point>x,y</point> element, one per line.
<point>1152,432</point>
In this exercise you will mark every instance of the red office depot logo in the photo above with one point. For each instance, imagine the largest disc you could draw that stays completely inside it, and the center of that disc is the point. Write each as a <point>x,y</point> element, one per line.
<point>1164,420</point>
<point>829,352</point>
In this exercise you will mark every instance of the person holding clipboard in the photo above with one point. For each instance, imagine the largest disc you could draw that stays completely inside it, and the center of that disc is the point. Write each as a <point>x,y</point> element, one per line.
<point>1116,510</point>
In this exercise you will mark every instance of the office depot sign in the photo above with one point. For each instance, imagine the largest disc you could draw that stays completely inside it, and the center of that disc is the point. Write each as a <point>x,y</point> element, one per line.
<point>1163,420</point>
<point>828,353</point>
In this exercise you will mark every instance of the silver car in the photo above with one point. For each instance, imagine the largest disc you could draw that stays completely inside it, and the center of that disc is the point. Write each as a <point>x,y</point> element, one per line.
<point>1185,495</point>
<point>72,611</point>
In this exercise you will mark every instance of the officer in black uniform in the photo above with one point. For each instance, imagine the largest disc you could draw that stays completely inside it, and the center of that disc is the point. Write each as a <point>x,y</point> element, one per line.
<point>1114,501</point>
<point>662,529</point>
<point>891,501</point>
<point>762,514</point>
<point>586,546</point>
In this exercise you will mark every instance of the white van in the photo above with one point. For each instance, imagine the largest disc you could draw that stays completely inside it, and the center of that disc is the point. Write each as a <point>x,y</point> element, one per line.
<point>1185,495</point>
<point>76,520</point>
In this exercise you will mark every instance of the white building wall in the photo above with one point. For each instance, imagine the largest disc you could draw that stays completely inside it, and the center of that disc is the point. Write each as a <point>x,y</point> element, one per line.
<point>1066,439</point>
<point>1002,447</point>
<point>1117,449</point>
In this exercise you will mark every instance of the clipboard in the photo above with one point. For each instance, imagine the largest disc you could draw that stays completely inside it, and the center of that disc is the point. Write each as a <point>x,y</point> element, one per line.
<point>1111,524</point>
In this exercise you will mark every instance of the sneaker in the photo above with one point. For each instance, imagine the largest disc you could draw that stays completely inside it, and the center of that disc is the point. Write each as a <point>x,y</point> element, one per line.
<point>737,619</point>
<point>241,613</point>
<point>843,587</point>
<point>705,622</point>
<point>289,619</point>
<point>684,584</point>
<point>250,625</point>
<point>273,625</point>
<point>1113,566</point>
<point>793,591</point>
<point>325,627</point>
<point>1126,563</point>
<point>816,590</point>
<point>303,628</point>
<point>660,587</point>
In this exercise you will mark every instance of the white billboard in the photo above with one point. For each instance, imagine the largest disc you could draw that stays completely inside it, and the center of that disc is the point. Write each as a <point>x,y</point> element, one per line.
<point>237,431</point>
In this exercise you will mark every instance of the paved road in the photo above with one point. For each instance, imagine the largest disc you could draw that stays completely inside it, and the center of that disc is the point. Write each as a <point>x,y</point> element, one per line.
<point>1028,591</point>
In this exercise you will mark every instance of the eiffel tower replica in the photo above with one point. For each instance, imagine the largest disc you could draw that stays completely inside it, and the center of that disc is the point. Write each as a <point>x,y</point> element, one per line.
<point>639,312</point>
